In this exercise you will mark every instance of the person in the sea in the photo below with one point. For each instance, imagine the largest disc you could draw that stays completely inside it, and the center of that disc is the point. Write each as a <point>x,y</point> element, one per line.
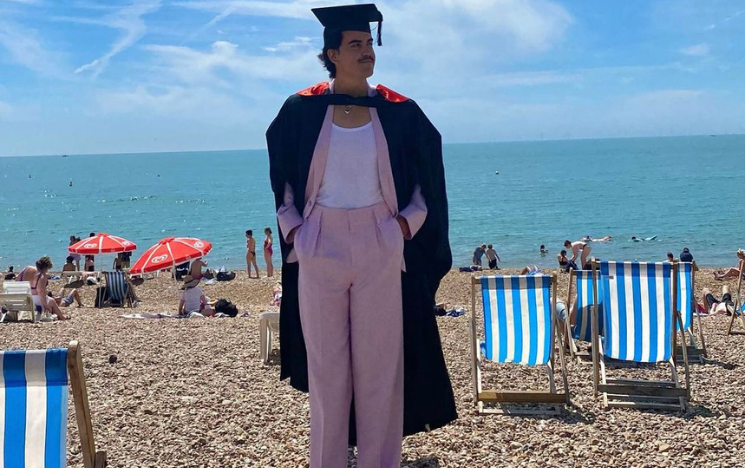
<point>578,247</point>
<point>251,253</point>
<point>268,252</point>
<point>565,265</point>
<point>359,187</point>
<point>37,277</point>
<point>734,271</point>
<point>544,250</point>
<point>492,257</point>
<point>478,254</point>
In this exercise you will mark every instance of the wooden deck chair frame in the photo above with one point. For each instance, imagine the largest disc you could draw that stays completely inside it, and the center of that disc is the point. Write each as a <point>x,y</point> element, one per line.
<point>696,346</point>
<point>91,458</point>
<point>580,357</point>
<point>640,393</point>
<point>550,397</point>
<point>126,301</point>
<point>738,312</point>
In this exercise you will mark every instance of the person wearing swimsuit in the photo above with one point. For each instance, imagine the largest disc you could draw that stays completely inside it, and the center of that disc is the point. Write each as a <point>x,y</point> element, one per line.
<point>268,251</point>
<point>37,277</point>
<point>251,253</point>
<point>576,248</point>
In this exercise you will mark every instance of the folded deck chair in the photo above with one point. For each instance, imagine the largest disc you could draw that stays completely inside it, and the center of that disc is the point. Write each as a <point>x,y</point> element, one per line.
<point>16,301</point>
<point>687,304</point>
<point>519,327</point>
<point>739,312</point>
<point>33,416</point>
<point>268,324</point>
<point>116,289</point>
<point>584,288</point>
<point>639,304</point>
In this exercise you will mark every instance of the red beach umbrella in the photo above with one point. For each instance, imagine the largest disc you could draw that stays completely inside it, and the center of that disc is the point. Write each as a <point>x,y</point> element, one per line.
<point>169,252</point>
<point>102,243</point>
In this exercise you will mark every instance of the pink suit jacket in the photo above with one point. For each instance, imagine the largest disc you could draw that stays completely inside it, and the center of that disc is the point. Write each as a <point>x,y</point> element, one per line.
<point>288,216</point>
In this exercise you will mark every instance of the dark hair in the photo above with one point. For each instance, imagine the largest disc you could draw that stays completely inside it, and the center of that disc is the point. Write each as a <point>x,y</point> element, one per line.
<point>93,234</point>
<point>563,252</point>
<point>567,242</point>
<point>331,40</point>
<point>685,249</point>
<point>70,259</point>
<point>543,246</point>
<point>669,254</point>
<point>44,263</point>
<point>490,246</point>
<point>268,230</point>
<point>249,233</point>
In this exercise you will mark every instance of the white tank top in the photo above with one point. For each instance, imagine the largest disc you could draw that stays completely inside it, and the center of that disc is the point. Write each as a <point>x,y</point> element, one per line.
<point>351,179</point>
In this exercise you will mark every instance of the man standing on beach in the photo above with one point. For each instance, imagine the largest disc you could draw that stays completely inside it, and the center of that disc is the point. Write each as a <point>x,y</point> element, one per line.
<point>359,188</point>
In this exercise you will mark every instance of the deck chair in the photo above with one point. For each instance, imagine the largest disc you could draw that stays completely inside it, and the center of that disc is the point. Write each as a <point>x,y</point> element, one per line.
<point>520,326</point>
<point>640,309</point>
<point>33,416</point>
<point>16,301</point>
<point>116,289</point>
<point>687,302</point>
<point>584,288</point>
<point>739,312</point>
<point>268,324</point>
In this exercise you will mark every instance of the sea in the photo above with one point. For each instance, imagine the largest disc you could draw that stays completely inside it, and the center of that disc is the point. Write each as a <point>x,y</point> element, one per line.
<point>679,191</point>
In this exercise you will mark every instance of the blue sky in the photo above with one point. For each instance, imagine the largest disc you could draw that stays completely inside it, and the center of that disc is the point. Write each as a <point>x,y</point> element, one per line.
<point>161,75</point>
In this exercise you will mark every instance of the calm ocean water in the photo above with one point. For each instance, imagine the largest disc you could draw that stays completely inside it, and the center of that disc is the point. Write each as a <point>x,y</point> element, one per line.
<point>687,191</point>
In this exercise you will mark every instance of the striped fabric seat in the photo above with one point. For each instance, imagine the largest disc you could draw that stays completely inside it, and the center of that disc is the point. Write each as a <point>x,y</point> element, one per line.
<point>582,328</point>
<point>685,293</point>
<point>33,408</point>
<point>117,286</point>
<point>638,318</point>
<point>517,319</point>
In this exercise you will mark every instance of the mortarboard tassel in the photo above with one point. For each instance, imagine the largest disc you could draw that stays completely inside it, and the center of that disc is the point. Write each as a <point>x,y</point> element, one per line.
<point>380,41</point>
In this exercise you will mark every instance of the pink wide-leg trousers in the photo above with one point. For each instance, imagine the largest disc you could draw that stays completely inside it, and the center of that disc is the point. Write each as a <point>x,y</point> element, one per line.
<point>350,308</point>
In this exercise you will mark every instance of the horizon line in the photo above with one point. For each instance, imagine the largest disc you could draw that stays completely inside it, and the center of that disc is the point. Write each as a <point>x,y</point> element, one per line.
<point>444,144</point>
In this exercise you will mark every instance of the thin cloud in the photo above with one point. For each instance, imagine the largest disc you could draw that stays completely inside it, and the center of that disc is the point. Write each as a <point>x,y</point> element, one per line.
<point>298,42</point>
<point>26,49</point>
<point>697,50</point>
<point>129,20</point>
<point>24,2</point>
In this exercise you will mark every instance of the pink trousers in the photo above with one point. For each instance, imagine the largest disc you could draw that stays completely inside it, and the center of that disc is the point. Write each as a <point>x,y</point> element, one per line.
<point>350,307</point>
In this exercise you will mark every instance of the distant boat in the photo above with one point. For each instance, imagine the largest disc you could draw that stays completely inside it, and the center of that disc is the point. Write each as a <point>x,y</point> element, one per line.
<point>64,155</point>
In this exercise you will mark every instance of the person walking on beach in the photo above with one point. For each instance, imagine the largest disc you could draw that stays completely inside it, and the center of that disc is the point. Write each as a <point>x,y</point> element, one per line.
<point>359,188</point>
<point>251,253</point>
<point>576,247</point>
<point>268,252</point>
<point>478,254</point>
<point>492,257</point>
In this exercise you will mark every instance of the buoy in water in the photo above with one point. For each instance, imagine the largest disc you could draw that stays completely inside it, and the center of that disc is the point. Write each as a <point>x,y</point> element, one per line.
<point>496,172</point>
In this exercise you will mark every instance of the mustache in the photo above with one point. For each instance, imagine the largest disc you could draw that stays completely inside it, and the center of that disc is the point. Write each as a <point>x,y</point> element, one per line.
<point>367,59</point>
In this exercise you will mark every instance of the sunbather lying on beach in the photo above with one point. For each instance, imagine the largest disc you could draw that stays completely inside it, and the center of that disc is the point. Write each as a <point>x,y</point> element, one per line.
<point>66,300</point>
<point>732,272</point>
<point>531,270</point>
<point>715,306</point>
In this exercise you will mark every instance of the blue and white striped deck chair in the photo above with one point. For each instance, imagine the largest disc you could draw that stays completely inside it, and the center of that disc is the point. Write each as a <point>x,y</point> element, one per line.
<point>639,316</point>
<point>519,327</point>
<point>686,307</point>
<point>584,286</point>
<point>116,287</point>
<point>739,310</point>
<point>33,409</point>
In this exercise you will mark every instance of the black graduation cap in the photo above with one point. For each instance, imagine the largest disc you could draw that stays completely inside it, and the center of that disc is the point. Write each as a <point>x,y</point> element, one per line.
<point>349,18</point>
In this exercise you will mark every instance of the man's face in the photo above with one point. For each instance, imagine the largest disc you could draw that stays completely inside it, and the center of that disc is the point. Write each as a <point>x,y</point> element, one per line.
<point>355,57</point>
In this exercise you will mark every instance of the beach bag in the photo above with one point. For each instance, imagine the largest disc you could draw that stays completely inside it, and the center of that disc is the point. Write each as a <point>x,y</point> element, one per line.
<point>226,307</point>
<point>225,276</point>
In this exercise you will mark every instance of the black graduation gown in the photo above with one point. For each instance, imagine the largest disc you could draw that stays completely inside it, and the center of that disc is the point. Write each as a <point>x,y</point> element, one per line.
<point>415,149</point>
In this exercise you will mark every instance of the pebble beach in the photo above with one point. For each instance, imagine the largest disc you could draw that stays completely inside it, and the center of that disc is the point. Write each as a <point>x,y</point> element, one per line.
<point>194,393</point>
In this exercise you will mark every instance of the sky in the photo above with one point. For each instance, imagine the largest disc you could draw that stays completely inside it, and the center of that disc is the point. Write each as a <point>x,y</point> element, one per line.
<point>87,77</point>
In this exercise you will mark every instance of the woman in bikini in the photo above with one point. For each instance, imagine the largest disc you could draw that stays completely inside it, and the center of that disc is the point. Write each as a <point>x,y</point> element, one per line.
<point>268,251</point>
<point>37,277</point>
<point>251,253</point>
